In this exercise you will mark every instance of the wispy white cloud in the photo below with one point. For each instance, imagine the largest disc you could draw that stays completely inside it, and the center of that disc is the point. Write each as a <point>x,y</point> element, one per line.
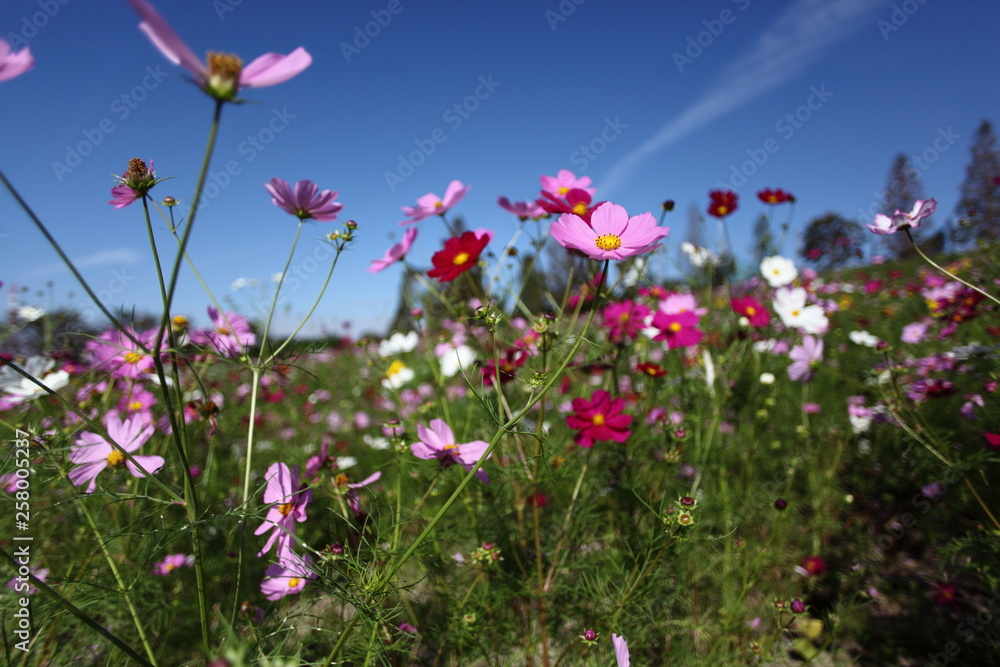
<point>795,39</point>
<point>108,256</point>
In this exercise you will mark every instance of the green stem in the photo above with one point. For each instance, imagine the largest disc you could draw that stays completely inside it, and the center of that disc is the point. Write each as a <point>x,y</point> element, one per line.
<point>946,271</point>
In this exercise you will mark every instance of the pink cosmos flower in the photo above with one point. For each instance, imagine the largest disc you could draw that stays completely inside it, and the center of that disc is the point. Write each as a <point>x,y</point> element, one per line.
<point>288,505</point>
<point>92,453</point>
<point>805,358</point>
<point>223,75</point>
<point>576,201</point>
<point>522,209</point>
<point>115,353</point>
<point>884,224</point>
<point>171,563</point>
<point>133,184</point>
<point>611,234</point>
<point>438,442</point>
<point>14,64</point>
<point>231,335</point>
<point>430,204</point>
<point>305,202</point>
<point>600,418</point>
<point>395,253</point>
<point>288,576</point>
<point>750,308</point>
<point>22,584</point>
<point>621,650</point>
<point>624,320</point>
<point>564,181</point>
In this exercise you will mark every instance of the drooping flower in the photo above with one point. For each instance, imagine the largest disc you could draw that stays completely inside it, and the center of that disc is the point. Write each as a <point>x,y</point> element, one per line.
<point>564,181</point>
<point>288,506</point>
<point>14,64</point>
<point>288,576</point>
<point>430,204</point>
<point>621,650</point>
<point>395,253</point>
<point>748,307</point>
<point>775,196</point>
<point>92,453</point>
<point>460,254</point>
<point>883,224</point>
<point>778,271</point>
<point>723,203</point>
<point>524,210</point>
<point>231,335</point>
<point>224,74</point>
<point>438,442</point>
<point>171,563</point>
<point>805,358</point>
<point>611,234</point>
<point>133,184</point>
<point>600,418</point>
<point>305,202</point>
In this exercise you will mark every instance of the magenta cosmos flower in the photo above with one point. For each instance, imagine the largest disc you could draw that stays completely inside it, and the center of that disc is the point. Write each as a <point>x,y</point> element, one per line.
<point>92,453</point>
<point>883,224</point>
<point>522,209</point>
<point>231,334</point>
<point>430,204</point>
<point>564,181</point>
<point>611,234</point>
<point>438,442</point>
<point>224,74</point>
<point>395,253</point>
<point>171,563</point>
<point>288,505</point>
<point>305,202</point>
<point>678,329</point>
<point>600,418</point>
<point>14,64</point>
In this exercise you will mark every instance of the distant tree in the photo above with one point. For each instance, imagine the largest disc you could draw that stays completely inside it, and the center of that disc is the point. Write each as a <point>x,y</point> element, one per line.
<point>830,241</point>
<point>978,209</point>
<point>693,233</point>
<point>902,189</point>
<point>763,239</point>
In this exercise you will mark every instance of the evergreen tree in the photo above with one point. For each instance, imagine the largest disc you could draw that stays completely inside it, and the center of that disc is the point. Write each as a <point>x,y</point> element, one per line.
<point>903,188</point>
<point>763,239</point>
<point>978,209</point>
<point>830,241</point>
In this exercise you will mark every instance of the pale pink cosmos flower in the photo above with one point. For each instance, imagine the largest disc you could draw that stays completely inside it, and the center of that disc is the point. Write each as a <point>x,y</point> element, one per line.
<point>116,352</point>
<point>395,253</point>
<point>522,209</point>
<point>621,650</point>
<point>92,453</point>
<point>171,563</point>
<point>288,506</point>
<point>231,335</point>
<point>805,358</point>
<point>438,442</point>
<point>564,181</point>
<point>23,584</point>
<point>14,64</point>
<point>430,204</point>
<point>223,75</point>
<point>305,202</point>
<point>611,234</point>
<point>288,576</point>
<point>914,333</point>
<point>883,224</point>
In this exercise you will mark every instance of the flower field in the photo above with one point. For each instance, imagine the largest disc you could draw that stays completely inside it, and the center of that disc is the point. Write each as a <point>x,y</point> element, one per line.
<point>792,467</point>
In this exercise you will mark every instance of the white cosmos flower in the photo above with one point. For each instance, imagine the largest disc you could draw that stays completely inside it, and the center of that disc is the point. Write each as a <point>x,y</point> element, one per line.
<point>863,338</point>
<point>790,305</point>
<point>398,343</point>
<point>699,256</point>
<point>30,313</point>
<point>397,375</point>
<point>767,378</point>
<point>778,271</point>
<point>456,359</point>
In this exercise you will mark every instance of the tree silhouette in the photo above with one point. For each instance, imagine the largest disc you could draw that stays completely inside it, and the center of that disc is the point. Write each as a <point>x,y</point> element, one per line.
<point>978,209</point>
<point>830,241</point>
<point>902,189</point>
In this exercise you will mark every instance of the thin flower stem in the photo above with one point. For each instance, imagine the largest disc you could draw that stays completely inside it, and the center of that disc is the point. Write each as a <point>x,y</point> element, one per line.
<point>133,612</point>
<point>255,371</point>
<point>946,271</point>
<point>569,513</point>
<point>277,290</point>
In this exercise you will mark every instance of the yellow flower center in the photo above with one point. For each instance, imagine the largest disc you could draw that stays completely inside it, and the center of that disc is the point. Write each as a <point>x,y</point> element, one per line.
<point>563,190</point>
<point>133,357</point>
<point>451,446</point>
<point>293,582</point>
<point>598,419</point>
<point>395,367</point>
<point>460,258</point>
<point>224,71</point>
<point>135,406</point>
<point>580,208</point>
<point>608,242</point>
<point>438,204</point>
<point>623,317</point>
<point>340,479</point>
<point>115,458</point>
<point>222,331</point>
<point>675,326</point>
<point>722,210</point>
<point>286,508</point>
<point>751,311</point>
<point>796,312</point>
<point>169,567</point>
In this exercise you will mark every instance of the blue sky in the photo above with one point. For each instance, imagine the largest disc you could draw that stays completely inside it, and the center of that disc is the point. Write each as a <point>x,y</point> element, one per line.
<point>651,100</point>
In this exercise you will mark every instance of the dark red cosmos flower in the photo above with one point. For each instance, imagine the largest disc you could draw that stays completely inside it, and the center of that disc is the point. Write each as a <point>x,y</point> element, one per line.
<point>813,566</point>
<point>576,201</point>
<point>723,203</point>
<point>510,361</point>
<point>600,418</point>
<point>776,196</point>
<point>459,255</point>
<point>751,309</point>
<point>992,441</point>
<point>650,369</point>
